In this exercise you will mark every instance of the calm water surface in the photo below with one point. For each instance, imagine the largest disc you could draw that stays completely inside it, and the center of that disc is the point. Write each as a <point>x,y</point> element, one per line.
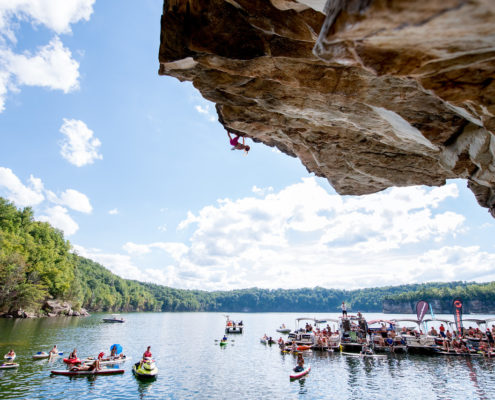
<point>193,366</point>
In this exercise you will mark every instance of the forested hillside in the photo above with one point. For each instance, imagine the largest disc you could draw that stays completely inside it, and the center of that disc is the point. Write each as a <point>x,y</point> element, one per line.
<point>36,264</point>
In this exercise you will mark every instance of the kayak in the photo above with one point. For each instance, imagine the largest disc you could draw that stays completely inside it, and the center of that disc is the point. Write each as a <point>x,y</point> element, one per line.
<point>284,330</point>
<point>110,371</point>
<point>8,365</point>
<point>42,354</point>
<point>302,348</point>
<point>223,343</point>
<point>364,355</point>
<point>145,370</point>
<point>300,374</point>
<point>72,360</point>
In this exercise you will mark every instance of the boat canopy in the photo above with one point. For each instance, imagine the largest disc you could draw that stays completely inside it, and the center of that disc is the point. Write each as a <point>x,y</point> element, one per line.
<point>325,320</point>
<point>475,320</point>
<point>379,321</point>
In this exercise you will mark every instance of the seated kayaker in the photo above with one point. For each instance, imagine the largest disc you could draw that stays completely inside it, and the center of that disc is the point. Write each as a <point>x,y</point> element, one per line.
<point>300,363</point>
<point>10,354</point>
<point>224,339</point>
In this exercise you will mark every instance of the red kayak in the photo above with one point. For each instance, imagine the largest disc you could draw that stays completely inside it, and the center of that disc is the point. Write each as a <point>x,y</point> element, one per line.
<point>109,371</point>
<point>297,375</point>
<point>72,360</point>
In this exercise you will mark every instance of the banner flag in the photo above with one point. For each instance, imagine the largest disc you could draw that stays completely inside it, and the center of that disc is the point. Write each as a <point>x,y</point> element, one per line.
<point>421,309</point>
<point>457,303</point>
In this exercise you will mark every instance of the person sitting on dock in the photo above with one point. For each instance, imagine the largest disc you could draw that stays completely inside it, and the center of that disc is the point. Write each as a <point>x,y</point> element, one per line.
<point>300,363</point>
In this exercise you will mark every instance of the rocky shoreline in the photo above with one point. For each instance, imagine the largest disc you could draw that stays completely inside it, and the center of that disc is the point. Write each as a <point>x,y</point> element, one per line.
<point>51,308</point>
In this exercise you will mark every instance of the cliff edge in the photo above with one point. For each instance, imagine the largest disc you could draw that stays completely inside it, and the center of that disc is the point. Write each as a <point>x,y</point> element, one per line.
<point>367,93</point>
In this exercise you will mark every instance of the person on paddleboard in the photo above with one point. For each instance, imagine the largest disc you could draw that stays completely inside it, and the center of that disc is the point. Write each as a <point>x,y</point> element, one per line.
<point>300,363</point>
<point>53,351</point>
<point>236,145</point>
<point>10,354</point>
<point>94,366</point>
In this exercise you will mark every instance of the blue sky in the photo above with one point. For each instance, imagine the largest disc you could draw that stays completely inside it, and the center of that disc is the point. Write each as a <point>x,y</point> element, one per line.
<point>138,173</point>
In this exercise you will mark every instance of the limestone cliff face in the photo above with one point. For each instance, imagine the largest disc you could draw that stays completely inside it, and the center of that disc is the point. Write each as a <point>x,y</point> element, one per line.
<point>367,93</point>
<point>439,306</point>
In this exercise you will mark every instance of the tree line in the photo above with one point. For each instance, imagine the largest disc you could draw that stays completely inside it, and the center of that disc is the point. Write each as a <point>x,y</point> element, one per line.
<point>36,263</point>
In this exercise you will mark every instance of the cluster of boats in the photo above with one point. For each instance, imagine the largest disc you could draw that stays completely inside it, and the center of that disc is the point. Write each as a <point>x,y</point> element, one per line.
<point>354,335</point>
<point>100,365</point>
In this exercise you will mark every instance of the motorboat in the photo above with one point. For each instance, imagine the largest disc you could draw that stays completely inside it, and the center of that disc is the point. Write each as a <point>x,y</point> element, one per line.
<point>283,329</point>
<point>233,327</point>
<point>384,337</point>
<point>353,333</point>
<point>115,318</point>
<point>416,341</point>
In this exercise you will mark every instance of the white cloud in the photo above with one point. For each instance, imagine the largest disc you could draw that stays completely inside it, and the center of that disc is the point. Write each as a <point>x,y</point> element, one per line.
<point>59,218</point>
<point>56,15</point>
<point>52,65</point>
<point>19,193</point>
<point>113,211</point>
<point>79,147</point>
<point>305,236</point>
<point>207,110</point>
<point>119,264</point>
<point>73,199</point>
<point>175,249</point>
<point>162,228</point>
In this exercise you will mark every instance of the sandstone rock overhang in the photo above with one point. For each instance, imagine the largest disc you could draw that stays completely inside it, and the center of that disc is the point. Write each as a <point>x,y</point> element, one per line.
<point>367,93</point>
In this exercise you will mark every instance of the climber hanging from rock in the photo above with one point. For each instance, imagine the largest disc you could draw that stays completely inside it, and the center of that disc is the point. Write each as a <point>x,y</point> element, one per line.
<point>236,145</point>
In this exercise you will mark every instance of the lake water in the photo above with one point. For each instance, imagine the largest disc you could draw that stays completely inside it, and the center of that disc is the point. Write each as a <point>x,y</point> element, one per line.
<point>193,366</point>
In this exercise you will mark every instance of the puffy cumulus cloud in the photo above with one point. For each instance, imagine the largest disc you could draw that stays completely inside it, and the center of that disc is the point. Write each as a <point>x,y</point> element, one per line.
<point>79,147</point>
<point>52,65</point>
<point>304,236</point>
<point>34,194</point>
<point>73,199</point>
<point>56,15</point>
<point>13,189</point>
<point>59,217</point>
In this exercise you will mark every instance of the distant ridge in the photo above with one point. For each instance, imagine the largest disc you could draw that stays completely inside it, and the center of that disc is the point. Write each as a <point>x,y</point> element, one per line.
<point>36,264</point>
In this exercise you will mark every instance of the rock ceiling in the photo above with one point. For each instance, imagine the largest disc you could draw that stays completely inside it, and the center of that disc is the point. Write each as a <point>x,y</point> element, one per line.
<point>367,93</point>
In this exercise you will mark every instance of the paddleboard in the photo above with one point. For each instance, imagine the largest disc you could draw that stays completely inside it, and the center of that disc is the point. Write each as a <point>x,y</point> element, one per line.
<point>364,355</point>
<point>110,371</point>
<point>297,375</point>
<point>453,353</point>
<point>8,365</point>
<point>107,362</point>
<point>41,354</point>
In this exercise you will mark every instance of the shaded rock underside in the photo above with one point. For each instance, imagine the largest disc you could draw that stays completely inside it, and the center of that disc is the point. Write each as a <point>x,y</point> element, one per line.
<point>367,93</point>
